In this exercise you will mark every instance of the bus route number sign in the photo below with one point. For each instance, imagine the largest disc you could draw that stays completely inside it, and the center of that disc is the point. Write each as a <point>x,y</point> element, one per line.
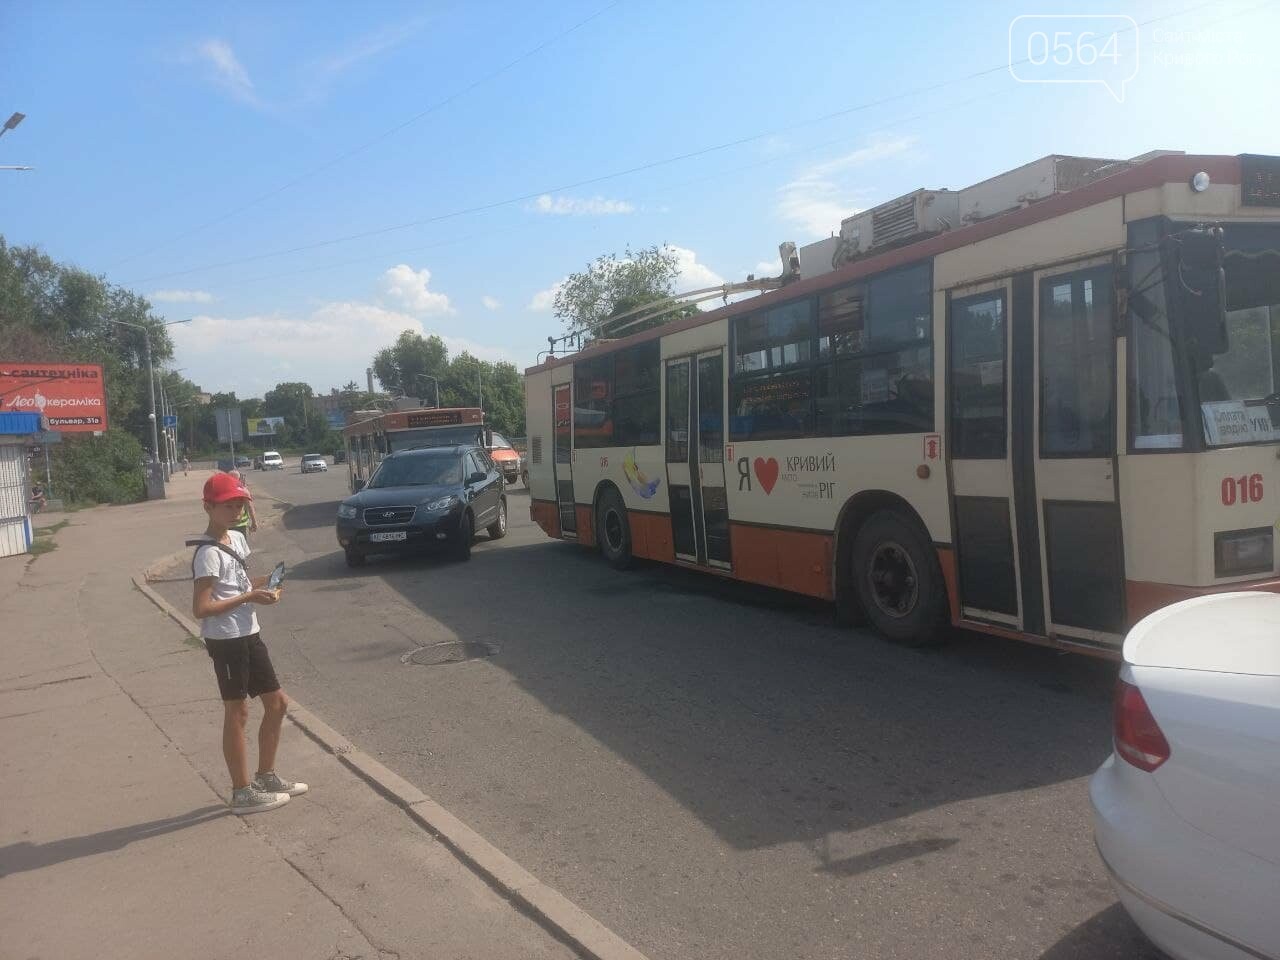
<point>434,418</point>
<point>1246,488</point>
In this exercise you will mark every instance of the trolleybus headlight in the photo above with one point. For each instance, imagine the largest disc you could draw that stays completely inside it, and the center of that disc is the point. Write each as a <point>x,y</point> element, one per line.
<point>444,503</point>
<point>1237,552</point>
<point>346,511</point>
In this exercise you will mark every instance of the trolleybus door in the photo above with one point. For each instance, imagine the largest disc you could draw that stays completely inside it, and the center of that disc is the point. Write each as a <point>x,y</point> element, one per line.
<point>980,442</point>
<point>694,440</point>
<point>1073,435</point>
<point>562,462</point>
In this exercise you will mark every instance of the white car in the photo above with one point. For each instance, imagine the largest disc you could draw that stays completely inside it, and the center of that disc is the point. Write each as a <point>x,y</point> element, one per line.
<point>1187,808</point>
<point>271,460</point>
<point>314,463</point>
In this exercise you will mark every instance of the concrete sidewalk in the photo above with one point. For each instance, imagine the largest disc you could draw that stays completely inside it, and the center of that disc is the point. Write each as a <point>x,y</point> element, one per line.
<point>114,836</point>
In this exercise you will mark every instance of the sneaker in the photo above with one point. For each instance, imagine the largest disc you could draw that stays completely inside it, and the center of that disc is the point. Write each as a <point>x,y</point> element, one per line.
<point>252,800</point>
<point>269,783</point>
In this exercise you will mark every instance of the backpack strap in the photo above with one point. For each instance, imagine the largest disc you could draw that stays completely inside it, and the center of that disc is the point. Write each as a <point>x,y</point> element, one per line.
<point>221,546</point>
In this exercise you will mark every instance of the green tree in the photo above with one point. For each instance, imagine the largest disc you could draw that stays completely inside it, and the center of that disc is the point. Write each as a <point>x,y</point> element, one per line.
<point>57,313</point>
<point>399,367</point>
<point>612,285</point>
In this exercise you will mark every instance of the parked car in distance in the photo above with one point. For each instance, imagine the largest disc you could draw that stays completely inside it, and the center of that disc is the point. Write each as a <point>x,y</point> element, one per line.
<point>339,456</point>
<point>1186,808</point>
<point>226,465</point>
<point>242,462</point>
<point>507,459</point>
<point>418,499</point>
<point>271,460</point>
<point>314,463</point>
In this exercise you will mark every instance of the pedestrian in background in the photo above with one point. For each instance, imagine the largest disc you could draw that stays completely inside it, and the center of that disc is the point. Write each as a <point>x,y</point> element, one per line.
<point>186,465</point>
<point>247,522</point>
<point>223,600</point>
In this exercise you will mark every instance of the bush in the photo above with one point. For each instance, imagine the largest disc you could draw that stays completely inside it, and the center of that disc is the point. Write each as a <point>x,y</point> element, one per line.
<point>105,469</point>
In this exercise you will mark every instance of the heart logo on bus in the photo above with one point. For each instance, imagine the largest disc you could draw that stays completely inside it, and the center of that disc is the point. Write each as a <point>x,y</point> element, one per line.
<point>766,472</point>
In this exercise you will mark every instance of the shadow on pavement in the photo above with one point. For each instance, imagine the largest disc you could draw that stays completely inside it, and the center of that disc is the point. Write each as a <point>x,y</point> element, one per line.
<point>748,705</point>
<point>22,857</point>
<point>1109,935</point>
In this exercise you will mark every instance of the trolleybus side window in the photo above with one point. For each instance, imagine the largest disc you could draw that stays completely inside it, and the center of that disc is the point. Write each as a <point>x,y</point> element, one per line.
<point>770,394</point>
<point>636,403</point>
<point>978,427</point>
<point>678,413</point>
<point>1155,409</point>
<point>593,402</point>
<point>1077,365</point>
<point>878,339</point>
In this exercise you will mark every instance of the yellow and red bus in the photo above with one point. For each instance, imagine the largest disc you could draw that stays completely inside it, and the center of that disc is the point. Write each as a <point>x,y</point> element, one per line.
<point>372,435</point>
<point>1042,415</point>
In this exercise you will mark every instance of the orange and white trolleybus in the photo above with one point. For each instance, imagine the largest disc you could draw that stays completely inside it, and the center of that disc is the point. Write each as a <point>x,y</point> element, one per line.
<point>1041,406</point>
<point>372,434</point>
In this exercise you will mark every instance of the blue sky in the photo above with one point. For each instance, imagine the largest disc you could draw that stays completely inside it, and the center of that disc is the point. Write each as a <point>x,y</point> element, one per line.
<point>180,148</point>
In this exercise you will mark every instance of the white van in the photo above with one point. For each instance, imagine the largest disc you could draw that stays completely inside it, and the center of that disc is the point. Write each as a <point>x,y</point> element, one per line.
<point>271,460</point>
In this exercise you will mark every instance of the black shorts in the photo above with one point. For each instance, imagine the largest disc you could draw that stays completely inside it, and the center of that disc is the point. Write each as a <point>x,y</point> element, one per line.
<point>243,666</point>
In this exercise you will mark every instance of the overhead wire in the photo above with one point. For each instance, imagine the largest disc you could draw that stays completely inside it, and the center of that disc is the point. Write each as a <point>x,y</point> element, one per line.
<point>354,151</point>
<point>649,165</point>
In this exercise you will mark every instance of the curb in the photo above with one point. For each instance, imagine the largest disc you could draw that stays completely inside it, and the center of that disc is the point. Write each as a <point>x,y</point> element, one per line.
<point>561,917</point>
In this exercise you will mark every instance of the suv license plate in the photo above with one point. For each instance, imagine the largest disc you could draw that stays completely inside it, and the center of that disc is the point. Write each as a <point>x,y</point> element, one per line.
<point>392,535</point>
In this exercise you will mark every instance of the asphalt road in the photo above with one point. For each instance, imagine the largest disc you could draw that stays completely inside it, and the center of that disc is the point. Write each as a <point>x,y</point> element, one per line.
<point>711,769</point>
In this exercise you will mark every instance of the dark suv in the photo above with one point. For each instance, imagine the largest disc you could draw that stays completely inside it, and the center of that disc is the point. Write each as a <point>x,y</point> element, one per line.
<point>418,499</point>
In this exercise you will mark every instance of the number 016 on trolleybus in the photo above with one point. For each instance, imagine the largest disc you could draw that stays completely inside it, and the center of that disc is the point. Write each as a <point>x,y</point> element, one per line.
<point>1040,407</point>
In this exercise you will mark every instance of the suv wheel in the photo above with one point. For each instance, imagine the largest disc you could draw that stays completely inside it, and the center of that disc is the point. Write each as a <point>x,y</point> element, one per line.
<point>498,529</point>
<point>466,533</point>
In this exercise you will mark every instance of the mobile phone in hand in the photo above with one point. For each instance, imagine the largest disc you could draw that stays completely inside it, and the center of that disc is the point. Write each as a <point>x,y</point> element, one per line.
<point>276,578</point>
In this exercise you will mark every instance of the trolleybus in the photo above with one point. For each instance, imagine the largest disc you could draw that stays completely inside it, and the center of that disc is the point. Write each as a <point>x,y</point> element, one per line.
<point>1040,407</point>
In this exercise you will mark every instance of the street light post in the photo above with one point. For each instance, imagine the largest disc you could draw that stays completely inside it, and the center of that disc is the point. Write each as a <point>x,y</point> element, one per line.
<point>151,377</point>
<point>435,383</point>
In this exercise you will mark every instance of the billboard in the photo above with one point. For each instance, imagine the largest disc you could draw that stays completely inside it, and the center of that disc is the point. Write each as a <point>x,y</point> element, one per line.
<point>228,421</point>
<point>72,396</point>
<point>264,426</point>
<point>336,419</point>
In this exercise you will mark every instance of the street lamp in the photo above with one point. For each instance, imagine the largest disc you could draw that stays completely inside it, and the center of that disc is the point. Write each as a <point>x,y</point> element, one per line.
<point>151,377</point>
<point>427,376</point>
<point>12,122</point>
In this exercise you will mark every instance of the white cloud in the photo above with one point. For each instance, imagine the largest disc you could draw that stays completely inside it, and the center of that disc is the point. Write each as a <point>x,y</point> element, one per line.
<point>228,72</point>
<point>816,200</point>
<point>327,347</point>
<point>544,300</point>
<point>180,296</point>
<point>767,268</point>
<point>490,303</point>
<point>372,44</point>
<point>407,288</point>
<point>575,207</point>
<point>693,275</point>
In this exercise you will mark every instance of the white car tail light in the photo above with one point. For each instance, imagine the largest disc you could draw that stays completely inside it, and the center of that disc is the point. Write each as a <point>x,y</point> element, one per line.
<point>1137,735</point>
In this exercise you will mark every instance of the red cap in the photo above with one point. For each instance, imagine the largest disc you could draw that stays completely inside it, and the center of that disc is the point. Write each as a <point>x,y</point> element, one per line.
<point>222,487</point>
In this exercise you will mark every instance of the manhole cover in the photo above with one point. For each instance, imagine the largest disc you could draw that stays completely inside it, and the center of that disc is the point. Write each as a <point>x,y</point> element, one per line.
<point>455,651</point>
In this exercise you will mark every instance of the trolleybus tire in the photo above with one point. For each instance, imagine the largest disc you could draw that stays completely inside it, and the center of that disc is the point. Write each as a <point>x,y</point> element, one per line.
<point>354,558</point>
<point>466,533</point>
<point>898,579</point>
<point>498,529</point>
<point>613,530</point>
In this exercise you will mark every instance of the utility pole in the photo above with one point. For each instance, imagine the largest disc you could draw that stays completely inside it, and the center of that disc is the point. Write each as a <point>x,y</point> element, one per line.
<point>480,386</point>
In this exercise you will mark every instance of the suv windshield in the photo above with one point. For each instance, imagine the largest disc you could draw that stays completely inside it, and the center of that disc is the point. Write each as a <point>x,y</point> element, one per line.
<point>500,442</point>
<point>312,457</point>
<point>419,471</point>
<point>1238,387</point>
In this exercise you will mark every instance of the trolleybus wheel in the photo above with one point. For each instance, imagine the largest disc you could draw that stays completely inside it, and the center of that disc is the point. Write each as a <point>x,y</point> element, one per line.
<point>466,533</point>
<point>898,579</point>
<point>498,529</point>
<point>613,530</point>
<point>354,558</point>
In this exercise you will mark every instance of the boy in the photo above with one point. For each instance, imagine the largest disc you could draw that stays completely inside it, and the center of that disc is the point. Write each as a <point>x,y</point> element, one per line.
<point>222,600</point>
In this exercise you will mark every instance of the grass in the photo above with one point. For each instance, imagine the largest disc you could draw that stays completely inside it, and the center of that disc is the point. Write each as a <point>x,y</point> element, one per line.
<point>44,542</point>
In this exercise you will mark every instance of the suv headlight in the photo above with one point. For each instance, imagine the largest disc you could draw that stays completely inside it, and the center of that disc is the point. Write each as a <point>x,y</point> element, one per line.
<point>1237,552</point>
<point>346,511</point>
<point>444,503</point>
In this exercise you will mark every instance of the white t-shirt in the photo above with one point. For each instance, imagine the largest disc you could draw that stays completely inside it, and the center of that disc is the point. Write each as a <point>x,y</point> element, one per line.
<point>232,579</point>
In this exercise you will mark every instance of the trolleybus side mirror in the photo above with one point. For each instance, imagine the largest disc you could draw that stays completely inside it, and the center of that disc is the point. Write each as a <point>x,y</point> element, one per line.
<point>1200,282</point>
